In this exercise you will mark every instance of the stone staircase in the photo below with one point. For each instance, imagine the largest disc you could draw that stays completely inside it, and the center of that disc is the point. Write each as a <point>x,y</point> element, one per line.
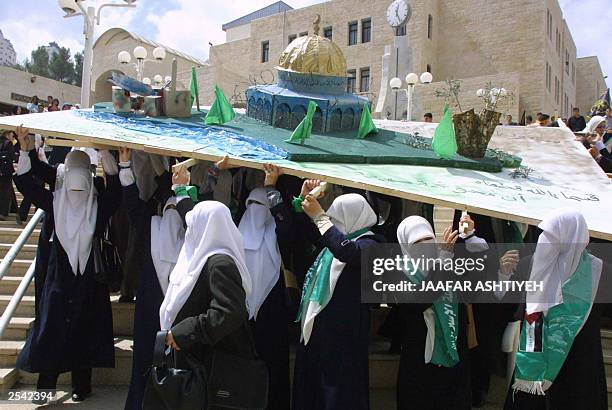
<point>111,384</point>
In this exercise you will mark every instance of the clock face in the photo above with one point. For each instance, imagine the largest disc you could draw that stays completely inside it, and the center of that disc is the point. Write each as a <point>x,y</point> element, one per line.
<point>398,13</point>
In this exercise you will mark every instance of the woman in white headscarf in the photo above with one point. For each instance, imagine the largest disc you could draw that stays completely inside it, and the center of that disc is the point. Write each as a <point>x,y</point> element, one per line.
<point>73,330</point>
<point>433,371</point>
<point>161,239</point>
<point>331,369</point>
<point>206,305</point>
<point>559,362</point>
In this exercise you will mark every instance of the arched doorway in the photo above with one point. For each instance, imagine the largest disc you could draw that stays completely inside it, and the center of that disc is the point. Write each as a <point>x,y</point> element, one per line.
<point>103,89</point>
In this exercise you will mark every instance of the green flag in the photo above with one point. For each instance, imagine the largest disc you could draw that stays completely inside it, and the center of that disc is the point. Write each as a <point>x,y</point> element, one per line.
<point>444,143</point>
<point>304,128</point>
<point>366,125</point>
<point>221,110</point>
<point>193,87</point>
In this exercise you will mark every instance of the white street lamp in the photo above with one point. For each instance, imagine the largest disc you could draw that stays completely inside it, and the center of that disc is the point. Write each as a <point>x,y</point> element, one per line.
<point>74,8</point>
<point>412,80</point>
<point>140,54</point>
<point>158,79</point>
<point>146,81</point>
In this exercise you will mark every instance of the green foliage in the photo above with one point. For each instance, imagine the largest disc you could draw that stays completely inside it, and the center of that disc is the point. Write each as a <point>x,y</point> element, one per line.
<point>61,67</point>
<point>38,63</point>
<point>77,78</point>
<point>451,92</point>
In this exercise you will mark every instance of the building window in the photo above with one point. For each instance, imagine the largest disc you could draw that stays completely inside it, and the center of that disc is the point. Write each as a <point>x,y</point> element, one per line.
<point>352,81</point>
<point>291,38</point>
<point>265,51</point>
<point>429,27</point>
<point>573,73</point>
<point>303,34</point>
<point>556,90</point>
<point>366,30</point>
<point>429,68</point>
<point>567,64</point>
<point>400,30</point>
<point>548,76</point>
<point>364,80</point>
<point>352,33</point>
<point>549,24</point>
<point>328,32</point>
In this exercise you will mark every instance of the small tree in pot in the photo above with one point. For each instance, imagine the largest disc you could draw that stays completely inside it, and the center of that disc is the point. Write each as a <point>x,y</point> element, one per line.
<point>474,131</point>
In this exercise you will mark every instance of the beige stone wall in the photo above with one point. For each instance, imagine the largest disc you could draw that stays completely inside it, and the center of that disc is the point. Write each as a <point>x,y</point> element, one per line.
<point>590,83</point>
<point>20,82</point>
<point>471,39</point>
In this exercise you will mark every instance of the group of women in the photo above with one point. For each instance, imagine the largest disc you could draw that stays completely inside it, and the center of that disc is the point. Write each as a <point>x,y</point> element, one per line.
<point>213,263</point>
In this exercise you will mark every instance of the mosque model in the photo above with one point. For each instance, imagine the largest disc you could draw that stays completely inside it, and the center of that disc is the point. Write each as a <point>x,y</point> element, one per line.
<point>312,68</point>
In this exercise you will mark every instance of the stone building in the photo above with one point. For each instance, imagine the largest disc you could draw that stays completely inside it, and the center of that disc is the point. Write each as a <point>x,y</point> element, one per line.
<point>105,61</point>
<point>590,83</point>
<point>7,52</point>
<point>524,46</point>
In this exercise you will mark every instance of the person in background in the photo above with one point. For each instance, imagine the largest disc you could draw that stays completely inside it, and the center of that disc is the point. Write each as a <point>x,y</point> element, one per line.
<point>41,108</point>
<point>73,330</point>
<point>509,120</point>
<point>265,225</point>
<point>543,120</point>
<point>331,366</point>
<point>8,200</point>
<point>66,107</point>
<point>32,106</point>
<point>49,100</point>
<point>608,133</point>
<point>528,120</point>
<point>54,105</point>
<point>553,122</point>
<point>17,110</point>
<point>428,117</point>
<point>163,236</point>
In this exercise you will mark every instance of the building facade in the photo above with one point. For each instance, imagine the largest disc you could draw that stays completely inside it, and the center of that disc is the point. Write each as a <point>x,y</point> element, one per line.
<point>524,46</point>
<point>590,83</point>
<point>8,56</point>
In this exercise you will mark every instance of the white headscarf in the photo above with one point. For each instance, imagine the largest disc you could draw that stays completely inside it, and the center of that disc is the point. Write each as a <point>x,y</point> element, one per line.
<point>593,123</point>
<point>75,209</point>
<point>565,236</point>
<point>146,167</point>
<point>210,231</point>
<point>349,213</point>
<point>414,229</point>
<point>167,237</point>
<point>263,258</point>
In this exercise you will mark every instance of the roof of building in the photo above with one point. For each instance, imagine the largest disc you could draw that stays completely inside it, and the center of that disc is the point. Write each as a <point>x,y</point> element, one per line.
<point>116,34</point>
<point>275,8</point>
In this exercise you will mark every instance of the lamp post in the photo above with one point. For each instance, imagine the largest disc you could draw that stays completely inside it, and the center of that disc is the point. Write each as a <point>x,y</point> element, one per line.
<point>74,8</point>
<point>140,54</point>
<point>411,80</point>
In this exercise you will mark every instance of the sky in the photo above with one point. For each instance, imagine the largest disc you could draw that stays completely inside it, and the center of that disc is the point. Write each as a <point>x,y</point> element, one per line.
<point>189,25</point>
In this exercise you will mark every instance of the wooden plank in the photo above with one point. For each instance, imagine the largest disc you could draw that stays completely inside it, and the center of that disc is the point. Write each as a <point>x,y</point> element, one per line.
<point>579,184</point>
<point>185,164</point>
<point>53,142</point>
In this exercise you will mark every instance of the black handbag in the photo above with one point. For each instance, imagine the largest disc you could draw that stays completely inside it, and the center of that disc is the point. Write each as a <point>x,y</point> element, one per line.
<point>107,262</point>
<point>171,388</point>
<point>236,382</point>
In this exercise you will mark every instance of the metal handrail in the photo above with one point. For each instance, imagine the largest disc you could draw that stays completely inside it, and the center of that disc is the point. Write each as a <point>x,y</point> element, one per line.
<point>5,265</point>
<point>16,299</point>
<point>10,256</point>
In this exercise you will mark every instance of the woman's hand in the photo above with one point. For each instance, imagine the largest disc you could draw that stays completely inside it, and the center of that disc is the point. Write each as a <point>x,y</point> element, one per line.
<point>22,137</point>
<point>468,220</point>
<point>171,342</point>
<point>125,154</point>
<point>309,185</point>
<point>181,177</point>
<point>224,164</point>
<point>312,207</point>
<point>272,173</point>
<point>509,261</point>
<point>449,239</point>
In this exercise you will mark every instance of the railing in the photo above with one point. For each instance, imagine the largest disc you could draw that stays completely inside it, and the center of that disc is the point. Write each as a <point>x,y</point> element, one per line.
<point>27,278</point>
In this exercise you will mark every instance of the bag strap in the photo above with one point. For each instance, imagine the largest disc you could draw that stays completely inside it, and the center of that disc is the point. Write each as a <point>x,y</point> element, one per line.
<point>159,349</point>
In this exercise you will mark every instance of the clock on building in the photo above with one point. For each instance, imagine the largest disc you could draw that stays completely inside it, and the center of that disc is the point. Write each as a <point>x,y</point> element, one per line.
<point>398,13</point>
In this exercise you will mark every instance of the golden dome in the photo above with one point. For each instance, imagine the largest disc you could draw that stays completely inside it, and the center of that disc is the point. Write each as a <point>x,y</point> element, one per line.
<point>313,55</point>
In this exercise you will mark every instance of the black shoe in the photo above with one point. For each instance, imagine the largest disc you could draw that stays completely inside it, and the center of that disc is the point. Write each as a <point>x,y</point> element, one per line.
<point>479,398</point>
<point>40,401</point>
<point>126,299</point>
<point>3,217</point>
<point>18,220</point>
<point>77,397</point>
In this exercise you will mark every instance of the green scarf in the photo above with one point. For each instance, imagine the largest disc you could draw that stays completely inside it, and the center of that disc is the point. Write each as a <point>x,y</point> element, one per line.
<point>316,284</point>
<point>446,312</point>
<point>536,371</point>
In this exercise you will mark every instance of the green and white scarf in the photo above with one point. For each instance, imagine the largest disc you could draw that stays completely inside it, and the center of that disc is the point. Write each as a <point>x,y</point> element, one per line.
<point>319,285</point>
<point>536,370</point>
<point>442,327</point>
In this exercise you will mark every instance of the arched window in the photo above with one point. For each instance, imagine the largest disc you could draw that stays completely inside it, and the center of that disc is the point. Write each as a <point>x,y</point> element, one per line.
<point>298,113</point>
<point>282,118</point>
<point>317,121</point>
<point>335,123</point>
<point>348,117</point>
<point>429,27</point>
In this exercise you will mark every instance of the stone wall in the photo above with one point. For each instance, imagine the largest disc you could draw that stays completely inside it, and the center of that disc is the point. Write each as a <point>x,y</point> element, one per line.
<point>590,83</point>
<point>27,84</point>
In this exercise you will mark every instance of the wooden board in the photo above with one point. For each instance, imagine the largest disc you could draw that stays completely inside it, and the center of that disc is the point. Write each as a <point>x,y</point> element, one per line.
<point>564,173</point>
